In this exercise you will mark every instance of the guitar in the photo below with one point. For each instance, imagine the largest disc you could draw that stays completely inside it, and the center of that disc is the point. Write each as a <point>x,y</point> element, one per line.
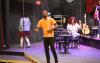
<point>85,29</point>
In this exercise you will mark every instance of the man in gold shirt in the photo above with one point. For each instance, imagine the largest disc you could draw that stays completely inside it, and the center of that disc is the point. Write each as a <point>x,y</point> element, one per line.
<point>48,25</point>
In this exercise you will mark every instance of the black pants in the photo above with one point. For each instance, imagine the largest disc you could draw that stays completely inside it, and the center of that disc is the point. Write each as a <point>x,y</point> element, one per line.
<point>49,41</point>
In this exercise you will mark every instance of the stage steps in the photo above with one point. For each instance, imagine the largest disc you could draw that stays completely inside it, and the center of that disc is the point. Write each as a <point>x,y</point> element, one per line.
<point>16,57</point>
<point>13,61</point>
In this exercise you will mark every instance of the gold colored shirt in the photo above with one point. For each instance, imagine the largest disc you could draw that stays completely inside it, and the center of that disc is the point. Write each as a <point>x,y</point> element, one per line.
<point>46,25</point>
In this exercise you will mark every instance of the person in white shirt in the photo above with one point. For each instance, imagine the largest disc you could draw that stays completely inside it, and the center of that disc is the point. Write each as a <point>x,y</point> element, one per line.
<point>24,29</point>
<point>73,28</point>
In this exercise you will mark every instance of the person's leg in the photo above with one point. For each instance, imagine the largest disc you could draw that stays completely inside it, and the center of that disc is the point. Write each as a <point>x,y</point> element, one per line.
<point>70,40</point>
<point>46,46</point>
<point>21,42</point>
<point>76,39</point>
<point>28,42</point>
<point>98,34</point>
<point>51,41</point>
<point>75,43</point>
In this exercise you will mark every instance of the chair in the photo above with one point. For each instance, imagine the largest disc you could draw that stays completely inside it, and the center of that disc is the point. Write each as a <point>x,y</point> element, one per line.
<point>74,42</point>
<point>61,41</point>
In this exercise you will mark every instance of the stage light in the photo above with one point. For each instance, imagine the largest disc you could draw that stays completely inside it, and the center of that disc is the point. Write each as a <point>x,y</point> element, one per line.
<point>69,1</point>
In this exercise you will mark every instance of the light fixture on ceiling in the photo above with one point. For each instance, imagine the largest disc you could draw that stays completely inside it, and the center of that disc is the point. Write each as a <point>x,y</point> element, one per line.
<point>38,2</point>
<point>70,1</point>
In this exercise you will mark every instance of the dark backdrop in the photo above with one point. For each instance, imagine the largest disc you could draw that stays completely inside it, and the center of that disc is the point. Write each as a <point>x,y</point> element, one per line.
<point>1,29</point>
<point>14,10</point>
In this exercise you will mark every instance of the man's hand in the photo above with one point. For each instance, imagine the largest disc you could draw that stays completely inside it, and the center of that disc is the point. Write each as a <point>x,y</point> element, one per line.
<point>53,28</point>
<point>50,30</point>
<point>36,30</point>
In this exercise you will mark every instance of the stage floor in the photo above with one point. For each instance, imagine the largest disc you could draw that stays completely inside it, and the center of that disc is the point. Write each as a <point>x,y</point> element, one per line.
<point>84,54</point>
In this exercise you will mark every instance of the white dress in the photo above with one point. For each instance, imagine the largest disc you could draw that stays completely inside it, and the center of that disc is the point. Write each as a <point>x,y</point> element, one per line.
<point>73,29</point>
<point>24,24</point>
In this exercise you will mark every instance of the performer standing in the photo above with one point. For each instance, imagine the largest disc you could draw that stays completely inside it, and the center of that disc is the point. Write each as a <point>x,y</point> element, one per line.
<point>48,25</point>
<point>97,17</point>
<point>24,28</point>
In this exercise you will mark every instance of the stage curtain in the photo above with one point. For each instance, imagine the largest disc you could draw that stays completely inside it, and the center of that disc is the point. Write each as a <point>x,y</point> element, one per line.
<point>90,4</point>
<point>1,34</point>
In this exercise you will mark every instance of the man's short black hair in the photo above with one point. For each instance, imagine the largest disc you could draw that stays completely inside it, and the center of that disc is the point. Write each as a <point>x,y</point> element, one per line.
<point>45,9</point>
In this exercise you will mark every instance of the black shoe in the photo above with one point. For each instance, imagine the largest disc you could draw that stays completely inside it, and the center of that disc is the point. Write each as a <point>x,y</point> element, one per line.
<point>20,47</point>
<point>56,61</point>
<point>28,46</point>
<point>67,52</point>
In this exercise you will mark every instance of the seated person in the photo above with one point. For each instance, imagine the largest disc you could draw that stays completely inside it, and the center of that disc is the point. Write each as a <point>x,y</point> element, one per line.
<point>73,28</point>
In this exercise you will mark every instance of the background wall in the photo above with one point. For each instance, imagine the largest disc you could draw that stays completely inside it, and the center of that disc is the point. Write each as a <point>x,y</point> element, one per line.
<point>1,29</point>
<point>90,4</point>
<point>33,11</point>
